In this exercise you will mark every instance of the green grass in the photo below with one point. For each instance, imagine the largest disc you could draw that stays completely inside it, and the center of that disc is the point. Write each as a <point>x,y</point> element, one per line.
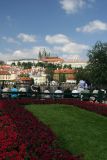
<point>79,131</point>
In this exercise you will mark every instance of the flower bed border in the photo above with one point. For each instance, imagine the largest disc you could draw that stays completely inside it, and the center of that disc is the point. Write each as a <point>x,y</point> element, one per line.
<point>99,108</point>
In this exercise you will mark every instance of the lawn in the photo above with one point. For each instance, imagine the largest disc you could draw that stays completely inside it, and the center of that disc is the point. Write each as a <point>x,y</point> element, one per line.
<point>79,131</point>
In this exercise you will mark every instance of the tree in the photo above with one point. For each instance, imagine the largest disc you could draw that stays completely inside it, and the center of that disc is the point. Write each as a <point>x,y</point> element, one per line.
<point>40,64</point>
<point>83,74</point>
<point>2,62</point>
<point>24,75</point>
<point>97,64</point>
<point>27,65</point>
<point>13,64</point>
<point>19,63</point>
<point>62,77</point>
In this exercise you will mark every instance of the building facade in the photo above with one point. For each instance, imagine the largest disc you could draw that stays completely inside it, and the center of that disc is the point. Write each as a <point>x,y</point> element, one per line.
<point>75,64</point>
<point>63,75</point>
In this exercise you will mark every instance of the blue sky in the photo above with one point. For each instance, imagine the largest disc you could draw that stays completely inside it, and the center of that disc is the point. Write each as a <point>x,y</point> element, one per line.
<point>66,28</point>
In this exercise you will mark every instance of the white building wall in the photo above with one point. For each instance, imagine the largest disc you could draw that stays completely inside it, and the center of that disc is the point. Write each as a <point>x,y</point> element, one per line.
<point>75,64</point>
<point>9,62</point>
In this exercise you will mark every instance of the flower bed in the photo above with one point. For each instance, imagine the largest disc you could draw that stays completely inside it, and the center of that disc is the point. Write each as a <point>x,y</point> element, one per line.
<point>99,108</point>
<point>24,137</point>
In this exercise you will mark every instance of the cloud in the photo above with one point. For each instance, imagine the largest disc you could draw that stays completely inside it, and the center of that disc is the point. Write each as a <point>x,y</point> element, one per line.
<point>10,40</point>
<point>72,6</point>
<point>57,39</point>
<point>16,54</point>
<point>93,26</point>
<point>23,53</point>
<point>72,47</point>
<point>64,45</point>
<point>26,37</point>
<point>72,50</point>
<point>61,45</point>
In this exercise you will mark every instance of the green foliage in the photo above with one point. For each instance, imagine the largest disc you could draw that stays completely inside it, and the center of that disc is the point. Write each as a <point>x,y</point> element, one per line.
<point>96,70</point>
<point>2,62</point>
<point>79,131</point>
<point>97,65</point>
<point>62,77</point>
<point>40,64</point>
<point>49,68</point>
<point>27,65</point>
<point>67,66</point>
<point>13,64</point>
<point>24,75</point>
<point>82,74</point>
<point>19,64</point>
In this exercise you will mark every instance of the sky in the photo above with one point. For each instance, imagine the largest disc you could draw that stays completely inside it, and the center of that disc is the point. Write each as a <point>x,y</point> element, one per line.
<point>65,28</point>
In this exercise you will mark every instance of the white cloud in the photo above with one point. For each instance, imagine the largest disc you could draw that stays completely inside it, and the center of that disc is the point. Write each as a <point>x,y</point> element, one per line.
<point>64,45</point>
<point>26,37</point>
<point>72,6</point>
<point>16,54</point>
<point>10,40</point>
<point>93,26</point>
<point>72,51</point>
<point>72,47</point>
<point>57,39</point>
<point>23,53</point>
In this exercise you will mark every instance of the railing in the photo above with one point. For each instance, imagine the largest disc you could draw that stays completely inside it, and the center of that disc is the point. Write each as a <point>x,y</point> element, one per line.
<point>81,96</point>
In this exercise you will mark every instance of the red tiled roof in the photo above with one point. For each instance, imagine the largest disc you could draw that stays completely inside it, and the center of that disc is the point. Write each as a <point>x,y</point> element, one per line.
<point>4,73</point>
<point>52,59</point>
<point>5,66</point>
<point>71,78</point>
<point>25,79</point>
<point>64,71</point>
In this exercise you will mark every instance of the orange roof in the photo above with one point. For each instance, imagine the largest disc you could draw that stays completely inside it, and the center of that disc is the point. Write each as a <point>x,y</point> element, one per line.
<point>66,70</point>
<point>25,79</point>
<point>52,59</point>
<point>5,66</point>
<point>71,78</point>
<point>4,73</point>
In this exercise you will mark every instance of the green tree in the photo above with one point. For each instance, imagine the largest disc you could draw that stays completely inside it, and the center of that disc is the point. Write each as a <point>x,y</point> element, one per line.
<point>13,64</point>
<point>62,77</point>
<point>19,64</point>
<point>83,74</point>
<point>40,64</point>
<point>97,64</point>
<point>2,62</point>
<point>27,65</point>
<point>24,75</point>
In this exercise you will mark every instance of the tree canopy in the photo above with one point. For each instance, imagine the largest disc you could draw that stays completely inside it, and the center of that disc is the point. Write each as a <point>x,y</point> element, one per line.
<point>97,64</point>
